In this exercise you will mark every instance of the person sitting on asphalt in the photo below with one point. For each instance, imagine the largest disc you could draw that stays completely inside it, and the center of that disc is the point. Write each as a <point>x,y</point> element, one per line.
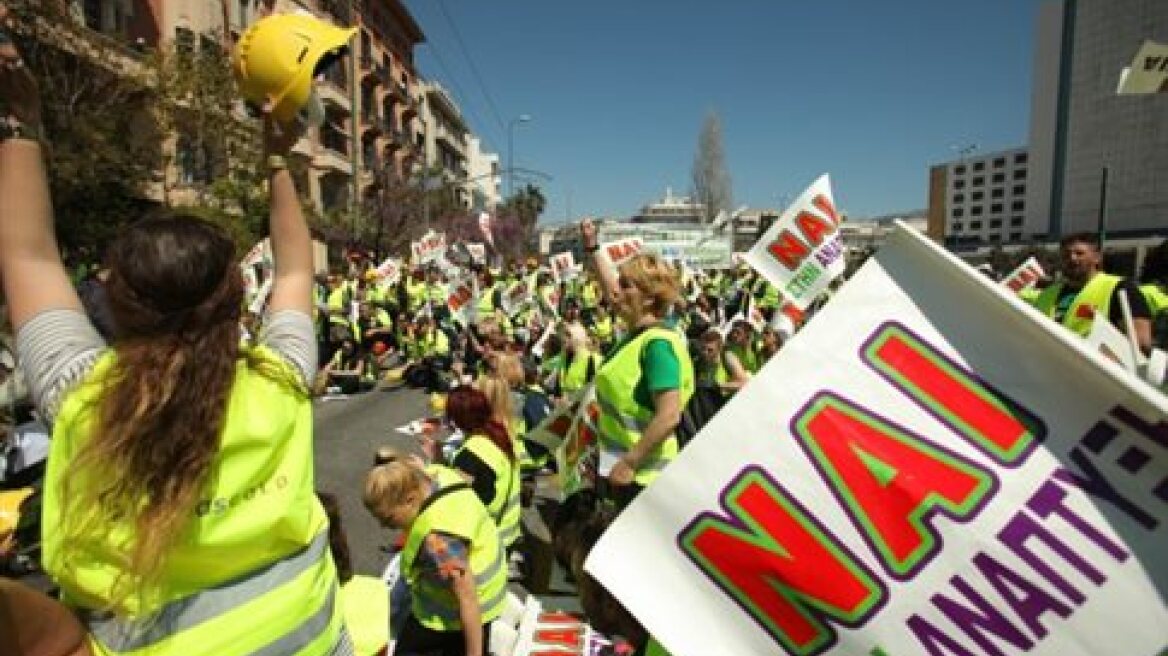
<point>348,372</point>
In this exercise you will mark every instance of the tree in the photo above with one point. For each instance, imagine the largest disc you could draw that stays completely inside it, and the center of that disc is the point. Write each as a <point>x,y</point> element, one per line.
<point>515,221</point>
<point>711,180</point>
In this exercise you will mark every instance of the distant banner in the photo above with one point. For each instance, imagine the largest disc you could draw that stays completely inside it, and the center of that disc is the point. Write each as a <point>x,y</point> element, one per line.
<point>564,266</point>
<point>256,266</point>
<point>932,468</point>
<point>1025,276</point>
<point>460,298</point>
<point>485,227</point>
<point>802,252</point>
<point>617,252</point>
<point>389,271</point>
<point>478,252</point>
<point>1148,72</point>
<point>429,248</point>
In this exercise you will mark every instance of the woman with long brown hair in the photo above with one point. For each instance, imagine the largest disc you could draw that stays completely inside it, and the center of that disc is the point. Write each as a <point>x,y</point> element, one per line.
<point>179,511</point>
<point>488,457</point>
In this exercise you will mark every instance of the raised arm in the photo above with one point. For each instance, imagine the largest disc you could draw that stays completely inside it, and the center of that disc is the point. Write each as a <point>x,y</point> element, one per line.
<point>604,270</point>
<point>30,262</point>
<point>291,242</point>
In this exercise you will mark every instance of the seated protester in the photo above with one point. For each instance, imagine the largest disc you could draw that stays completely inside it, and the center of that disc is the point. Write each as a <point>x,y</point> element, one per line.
<point>348,371</point>
<point>453,559</point>
<point>433,343</point>
<point>551,364</point>
<point>487,456</point>
<point>770,344</point>
<point>580,362</point>
<point>430,357</point>
<point>603,329</point>
<point>740,345</point>
<point>373,324</point>
<point>505,411</point>
<point>717,368</point>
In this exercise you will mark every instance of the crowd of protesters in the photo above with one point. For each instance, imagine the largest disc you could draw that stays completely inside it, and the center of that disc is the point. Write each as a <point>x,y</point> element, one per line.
<point>178,510</point>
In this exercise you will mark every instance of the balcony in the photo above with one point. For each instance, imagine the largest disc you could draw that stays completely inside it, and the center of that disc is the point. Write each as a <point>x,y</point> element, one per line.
<point>410,110</point>
<point>331,94</point>
<point>327,158</point>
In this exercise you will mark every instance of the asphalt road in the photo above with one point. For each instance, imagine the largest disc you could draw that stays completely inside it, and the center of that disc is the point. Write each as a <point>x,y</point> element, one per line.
<point>347,433</point>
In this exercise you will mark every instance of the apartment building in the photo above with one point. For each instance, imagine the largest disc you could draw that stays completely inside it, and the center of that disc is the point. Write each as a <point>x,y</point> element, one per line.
<point>484,178</point>
<point>444,139</point>
<point>981,200</point>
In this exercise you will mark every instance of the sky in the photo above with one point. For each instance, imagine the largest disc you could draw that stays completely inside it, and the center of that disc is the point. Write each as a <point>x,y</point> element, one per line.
<point>872,93</point>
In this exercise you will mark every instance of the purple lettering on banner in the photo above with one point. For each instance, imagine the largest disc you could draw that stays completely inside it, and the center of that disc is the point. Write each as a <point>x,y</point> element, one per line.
<point>1028,600</point>
<point>1020,529</point>
<point>1049,499</point>
<point>976,622</point>
<point>934,640</point>
<point>1093,482</point>
<point>1157,432</point>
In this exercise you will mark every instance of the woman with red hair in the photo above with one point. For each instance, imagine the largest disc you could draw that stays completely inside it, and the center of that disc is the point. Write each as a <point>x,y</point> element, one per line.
<point>488,457</point>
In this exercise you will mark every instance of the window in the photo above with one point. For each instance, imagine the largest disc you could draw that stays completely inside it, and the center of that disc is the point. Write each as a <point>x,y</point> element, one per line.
<point>1020,158</point>
<point>976,225</point>
<point>956,227</point>
<point>1019,190</point>
<point>977,195</point>
<point>93,14</point>
<point>959,170</point>
<point>208,46</point>
<point>1015,222</point>
<point>995,238</point>
<point>959,198</point>
<point>959,184</point>
<point>979,166</point>
<point>1018,205</point>
<point>1015,236</point>
<point>996,193</point>
<point>996,208</point>
<point>978,181</point>
<point>999,162</point>
<point>975,211</point>
<point>999,178</point>
<point>996,223</point>
<point>958,213</point>
<point>184,41</point>
<point>1020,174</point>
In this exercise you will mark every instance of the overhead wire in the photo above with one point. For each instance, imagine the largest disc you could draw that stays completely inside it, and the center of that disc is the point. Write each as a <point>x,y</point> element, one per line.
<point>473,68</point>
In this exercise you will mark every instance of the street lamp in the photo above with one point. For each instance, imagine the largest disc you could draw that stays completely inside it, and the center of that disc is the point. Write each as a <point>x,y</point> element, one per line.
<point>522,118</point>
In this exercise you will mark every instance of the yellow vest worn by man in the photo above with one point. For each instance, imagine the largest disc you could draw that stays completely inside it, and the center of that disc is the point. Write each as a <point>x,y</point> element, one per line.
<point>252,571</point>
<point>622,419</point>
<point>455,510</point>
<point>1094,298</point>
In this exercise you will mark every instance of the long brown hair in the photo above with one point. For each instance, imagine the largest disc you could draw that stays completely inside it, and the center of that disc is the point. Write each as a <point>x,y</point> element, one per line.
<point>470,411</point>
<point>176,294</point>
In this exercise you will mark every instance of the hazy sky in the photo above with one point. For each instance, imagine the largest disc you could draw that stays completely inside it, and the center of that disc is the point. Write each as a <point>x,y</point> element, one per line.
<point>872,93</point>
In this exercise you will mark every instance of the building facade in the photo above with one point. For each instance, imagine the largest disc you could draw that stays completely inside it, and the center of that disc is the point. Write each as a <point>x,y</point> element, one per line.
<point>981,200</point>
<point>483,170</point>
<point>1080,126</point>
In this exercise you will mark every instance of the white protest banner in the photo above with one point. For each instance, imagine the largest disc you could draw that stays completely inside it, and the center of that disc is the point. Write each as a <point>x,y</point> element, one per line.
<point>616,252</point>
<point>515,297</point>
<point>1025,276</point>
<point>555,633</point>
<point>564,266</point>
<point>478,252</point>
<point>256,266</point>
<point>485,227</point>
<point>260,299</point>
<point>460,297</point>
<point>1111,342</point>
<point>429,248</point>
<point>1148,72</point>
<point>541,344</point>
<point>933,467</point>
<point>389,271</point>
<point>802,252</point>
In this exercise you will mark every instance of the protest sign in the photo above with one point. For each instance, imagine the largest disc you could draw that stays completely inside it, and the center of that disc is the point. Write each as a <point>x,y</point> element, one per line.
<point>485,227</point>
<point>541,343</point>
<point>555,633</point>
<point>572,457</point>
<point>260,300</point>
<point>256,266</point>
<point>515,297</point>
<point>617,252</point>
<point>478,252</point>
<point>930,467</point>
<point>1148,72</point>
<point>564,266</point>
<point>802,252</point>
<point>460,297</point>
<point>429,248</point>
<point>389,271</point>
<point>1025,276</point>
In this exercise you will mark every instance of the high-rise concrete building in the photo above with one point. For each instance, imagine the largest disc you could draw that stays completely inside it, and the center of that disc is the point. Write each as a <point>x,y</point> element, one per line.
<point>981,200</point>
<point>1079,125</point>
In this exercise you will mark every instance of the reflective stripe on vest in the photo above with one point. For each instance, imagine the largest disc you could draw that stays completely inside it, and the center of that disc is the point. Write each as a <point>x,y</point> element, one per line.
<point>1094,298</point>
<point>622,419</point>
<point>459,513</point>
<point>504,507</point>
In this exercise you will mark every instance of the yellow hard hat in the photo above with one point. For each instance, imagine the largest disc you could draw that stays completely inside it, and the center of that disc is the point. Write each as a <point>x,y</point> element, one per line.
<point>278,58</point>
